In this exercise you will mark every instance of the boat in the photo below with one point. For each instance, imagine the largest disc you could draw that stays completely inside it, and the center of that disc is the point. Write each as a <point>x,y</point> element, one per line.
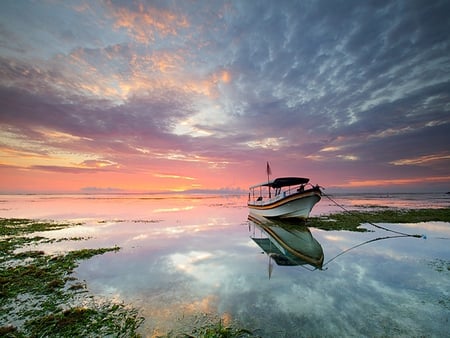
<point>287,242</point>
<point>283,197</point>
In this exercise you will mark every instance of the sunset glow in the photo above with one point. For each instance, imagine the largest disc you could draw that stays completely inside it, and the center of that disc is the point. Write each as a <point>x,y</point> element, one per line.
<point>196,96</point>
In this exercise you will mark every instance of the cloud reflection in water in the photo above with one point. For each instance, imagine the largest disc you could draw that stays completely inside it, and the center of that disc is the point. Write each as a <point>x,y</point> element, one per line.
<point>199,260</point>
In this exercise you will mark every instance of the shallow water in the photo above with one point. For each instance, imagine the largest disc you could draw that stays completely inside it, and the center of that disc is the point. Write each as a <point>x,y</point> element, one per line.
<point>187,259</point>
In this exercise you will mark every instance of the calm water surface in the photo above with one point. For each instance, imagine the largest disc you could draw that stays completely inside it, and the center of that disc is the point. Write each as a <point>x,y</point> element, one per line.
<point>187,259</point>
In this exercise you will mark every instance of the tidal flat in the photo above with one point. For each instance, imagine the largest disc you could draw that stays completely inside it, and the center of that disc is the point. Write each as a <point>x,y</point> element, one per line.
<point>38,295</point>
<point>352,220</point>
<point>40,298</point>
<point>126,266</point>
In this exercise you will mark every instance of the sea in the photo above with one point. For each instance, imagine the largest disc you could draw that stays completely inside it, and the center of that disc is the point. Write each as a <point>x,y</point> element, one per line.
<point>189,260</point>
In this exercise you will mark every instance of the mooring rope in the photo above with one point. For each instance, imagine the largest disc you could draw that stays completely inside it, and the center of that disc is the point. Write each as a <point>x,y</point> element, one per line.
<point>361,244</point>
<point>371,223</point>
<point>399,234</point>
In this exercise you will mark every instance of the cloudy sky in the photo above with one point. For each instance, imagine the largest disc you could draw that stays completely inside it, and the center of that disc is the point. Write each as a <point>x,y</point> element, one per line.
<point>179,95</point>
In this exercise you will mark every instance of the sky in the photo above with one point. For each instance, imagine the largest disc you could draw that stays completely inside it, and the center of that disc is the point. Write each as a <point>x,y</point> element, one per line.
<point>155,96</point>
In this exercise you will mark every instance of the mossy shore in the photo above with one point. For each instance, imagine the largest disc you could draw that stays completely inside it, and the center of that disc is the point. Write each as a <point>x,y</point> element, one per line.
<point>40,298</point>
<point>352,220</point>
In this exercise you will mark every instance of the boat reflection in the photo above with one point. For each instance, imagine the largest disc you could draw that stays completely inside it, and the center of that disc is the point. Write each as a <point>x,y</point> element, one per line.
<point>287,242</point>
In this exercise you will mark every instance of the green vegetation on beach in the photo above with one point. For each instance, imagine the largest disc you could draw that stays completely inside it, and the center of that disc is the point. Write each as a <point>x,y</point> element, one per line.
<point>353,219</point>
<point>38,297</point>
<point>215,329</point>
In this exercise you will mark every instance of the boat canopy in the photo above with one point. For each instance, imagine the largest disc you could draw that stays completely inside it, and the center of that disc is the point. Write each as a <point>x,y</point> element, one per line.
<point>282,182</point>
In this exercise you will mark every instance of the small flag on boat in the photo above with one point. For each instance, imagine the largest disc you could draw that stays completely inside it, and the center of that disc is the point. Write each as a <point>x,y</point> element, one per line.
<point>269,171</point>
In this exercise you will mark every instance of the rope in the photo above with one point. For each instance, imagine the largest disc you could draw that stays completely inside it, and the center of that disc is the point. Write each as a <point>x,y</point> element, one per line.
<point>371,223</point>
<point>399,234</point>
<point>361,244</point>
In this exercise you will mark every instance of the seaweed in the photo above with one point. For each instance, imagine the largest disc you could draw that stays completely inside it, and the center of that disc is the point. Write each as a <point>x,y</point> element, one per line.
<point>36,288</point>
<point>214,330</point>
<point>352,220</point>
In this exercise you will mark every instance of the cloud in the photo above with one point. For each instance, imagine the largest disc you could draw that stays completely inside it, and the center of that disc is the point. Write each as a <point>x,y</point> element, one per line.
<point>147,23</point>
<point>231,84</point>
<point>174,176</point>
<point>95,190</point>
<point>62,169</point>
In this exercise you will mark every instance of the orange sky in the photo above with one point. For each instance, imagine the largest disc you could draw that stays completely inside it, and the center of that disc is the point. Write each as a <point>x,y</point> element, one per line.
<point>141,97</point>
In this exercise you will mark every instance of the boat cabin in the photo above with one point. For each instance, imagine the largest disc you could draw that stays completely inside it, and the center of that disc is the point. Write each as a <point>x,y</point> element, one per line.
<point>276,189</point>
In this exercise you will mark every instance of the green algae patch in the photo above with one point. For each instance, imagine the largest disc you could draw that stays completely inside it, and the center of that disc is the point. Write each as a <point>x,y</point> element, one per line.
<point>108,320</point>
<point>352,220</point>
<point>21,226</point>
<point>221,331</point>
<point>214,329</point>
<point>440,265</point>
<point>42,274</point>
<point>38,295</point>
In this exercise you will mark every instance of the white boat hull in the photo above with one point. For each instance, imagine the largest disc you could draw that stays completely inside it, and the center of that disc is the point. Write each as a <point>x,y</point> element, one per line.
<point>297,205</point>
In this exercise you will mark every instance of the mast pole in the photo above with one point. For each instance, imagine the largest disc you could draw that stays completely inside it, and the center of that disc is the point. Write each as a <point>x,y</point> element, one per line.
<point>269,172</point>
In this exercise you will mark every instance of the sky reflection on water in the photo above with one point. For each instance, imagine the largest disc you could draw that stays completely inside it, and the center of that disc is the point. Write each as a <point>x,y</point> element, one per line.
<point>184,257</point>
